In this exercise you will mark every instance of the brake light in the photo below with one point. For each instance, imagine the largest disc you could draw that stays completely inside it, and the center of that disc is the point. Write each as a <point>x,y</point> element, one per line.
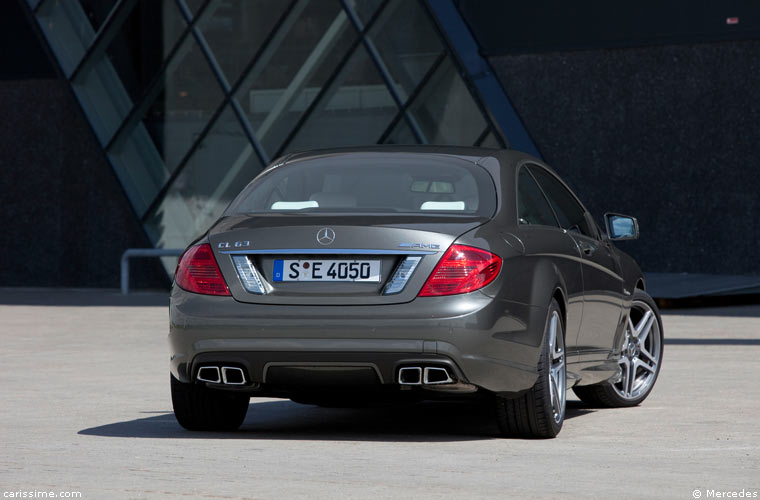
<point>198,272</point>
<point>462,269</point>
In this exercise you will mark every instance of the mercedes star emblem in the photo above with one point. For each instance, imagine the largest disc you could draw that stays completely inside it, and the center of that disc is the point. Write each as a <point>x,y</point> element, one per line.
<point>325,236</point>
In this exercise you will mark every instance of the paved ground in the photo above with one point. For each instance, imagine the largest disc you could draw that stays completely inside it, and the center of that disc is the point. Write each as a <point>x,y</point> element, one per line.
<point>84,406</point>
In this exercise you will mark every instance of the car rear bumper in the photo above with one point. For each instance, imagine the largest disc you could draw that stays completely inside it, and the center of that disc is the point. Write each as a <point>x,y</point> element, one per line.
<point>494,345</point>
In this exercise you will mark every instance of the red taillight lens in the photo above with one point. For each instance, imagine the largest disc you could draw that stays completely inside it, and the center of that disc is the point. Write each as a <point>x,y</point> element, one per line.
<point>198,272</point>
<point>462,269</point>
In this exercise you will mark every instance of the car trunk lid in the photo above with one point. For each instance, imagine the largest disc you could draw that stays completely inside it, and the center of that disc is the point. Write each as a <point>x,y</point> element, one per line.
<point>332,260</point>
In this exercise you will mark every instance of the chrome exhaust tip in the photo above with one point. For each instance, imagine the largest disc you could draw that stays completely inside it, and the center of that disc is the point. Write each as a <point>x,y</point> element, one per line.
<point>410,375</point>
<point>232,375</point>
<point>209,374</point>
<point>434,375</point>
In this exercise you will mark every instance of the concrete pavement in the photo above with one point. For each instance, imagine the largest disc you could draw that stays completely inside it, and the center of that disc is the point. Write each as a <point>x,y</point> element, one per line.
<point>84,406</point>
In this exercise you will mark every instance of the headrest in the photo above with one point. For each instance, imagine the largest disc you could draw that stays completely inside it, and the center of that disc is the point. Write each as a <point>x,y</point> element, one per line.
<point>293,205</point>
<point>442,205</point>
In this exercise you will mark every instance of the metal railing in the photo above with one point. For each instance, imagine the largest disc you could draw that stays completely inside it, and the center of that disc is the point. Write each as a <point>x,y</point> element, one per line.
<point>142,252</point>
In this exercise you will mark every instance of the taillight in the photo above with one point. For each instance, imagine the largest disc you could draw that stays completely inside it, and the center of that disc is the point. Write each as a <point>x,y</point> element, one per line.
<point>462,269</point>
<point>198,272</point>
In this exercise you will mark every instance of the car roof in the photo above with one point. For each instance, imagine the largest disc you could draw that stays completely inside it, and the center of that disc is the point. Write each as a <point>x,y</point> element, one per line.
<point>507,158</point>
<point>474,154</point>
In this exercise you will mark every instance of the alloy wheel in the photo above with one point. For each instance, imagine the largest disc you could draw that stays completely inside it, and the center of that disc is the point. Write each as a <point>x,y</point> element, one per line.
<point>557,368</point>
<point>641,352</point>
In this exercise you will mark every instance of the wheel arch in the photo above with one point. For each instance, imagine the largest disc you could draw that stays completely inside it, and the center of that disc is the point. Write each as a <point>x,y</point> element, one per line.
<point>545,283</point>
<point>535,283</point>
<point>559,296</point>
<point>550,285</point>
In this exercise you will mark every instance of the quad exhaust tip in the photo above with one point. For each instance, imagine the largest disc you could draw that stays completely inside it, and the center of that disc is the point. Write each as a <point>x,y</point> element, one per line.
<point>410,375</point>
<point>429,375</point>
<point>228,375</point>
<point>433,378</point>
<point>232,375</point>
<point>434,375</point>
<point>209,374</point>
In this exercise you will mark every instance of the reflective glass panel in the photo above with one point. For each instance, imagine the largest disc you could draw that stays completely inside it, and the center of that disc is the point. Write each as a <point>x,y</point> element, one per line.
<point>97,11</point>
<point>143,42</point>
<point>139,167</point>
<point>445,111</point>
<point>356,109</point>
<point>491,141</point>
<point>195,5</point>
<point>108,87</point>
<point>235,30</point>
<point>401,134</point>
<point>407,43</point>
<point>67,30</point>
<point>214,175</point>
<point>292,70</point>
<point>191,95</point>
<point>103,98</point>
<point>364,9</point>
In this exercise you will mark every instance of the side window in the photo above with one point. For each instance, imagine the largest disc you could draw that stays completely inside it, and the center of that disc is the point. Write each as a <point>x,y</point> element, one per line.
<point>569,212</point>
<point>532,207</point>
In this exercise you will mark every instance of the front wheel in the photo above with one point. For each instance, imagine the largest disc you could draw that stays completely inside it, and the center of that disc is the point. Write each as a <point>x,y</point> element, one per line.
<point>640,359</point>
<point>540,412</point>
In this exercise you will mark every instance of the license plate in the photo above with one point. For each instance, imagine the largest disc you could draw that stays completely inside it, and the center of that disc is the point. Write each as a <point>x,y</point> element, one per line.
<point>367,271</point>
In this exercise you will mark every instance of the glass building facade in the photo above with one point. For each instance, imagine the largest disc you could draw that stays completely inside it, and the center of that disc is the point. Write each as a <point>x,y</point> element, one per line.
<point>190,99</point>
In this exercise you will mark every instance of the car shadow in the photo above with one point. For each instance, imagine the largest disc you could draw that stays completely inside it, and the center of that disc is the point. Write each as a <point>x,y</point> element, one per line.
<point>284,420</point>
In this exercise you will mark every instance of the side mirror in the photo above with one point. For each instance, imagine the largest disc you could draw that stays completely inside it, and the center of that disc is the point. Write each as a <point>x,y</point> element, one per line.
<point>621,227</point>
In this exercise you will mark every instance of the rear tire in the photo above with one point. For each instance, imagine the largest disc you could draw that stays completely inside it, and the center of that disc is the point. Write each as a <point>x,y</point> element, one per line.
<point>640,359</point>
<point>540,412</point>
<point>198,408</point>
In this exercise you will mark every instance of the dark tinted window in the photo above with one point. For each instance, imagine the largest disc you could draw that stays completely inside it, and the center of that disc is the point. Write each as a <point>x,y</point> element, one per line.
<point>532,207</point>
<point>367,184</point>
<point>568,210</point>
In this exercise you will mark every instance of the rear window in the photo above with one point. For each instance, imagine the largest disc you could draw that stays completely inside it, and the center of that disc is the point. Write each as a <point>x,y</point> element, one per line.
<point>360,185</point>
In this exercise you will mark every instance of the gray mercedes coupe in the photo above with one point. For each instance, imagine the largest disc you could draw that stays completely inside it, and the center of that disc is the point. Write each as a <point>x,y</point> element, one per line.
<point>355,276</point>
